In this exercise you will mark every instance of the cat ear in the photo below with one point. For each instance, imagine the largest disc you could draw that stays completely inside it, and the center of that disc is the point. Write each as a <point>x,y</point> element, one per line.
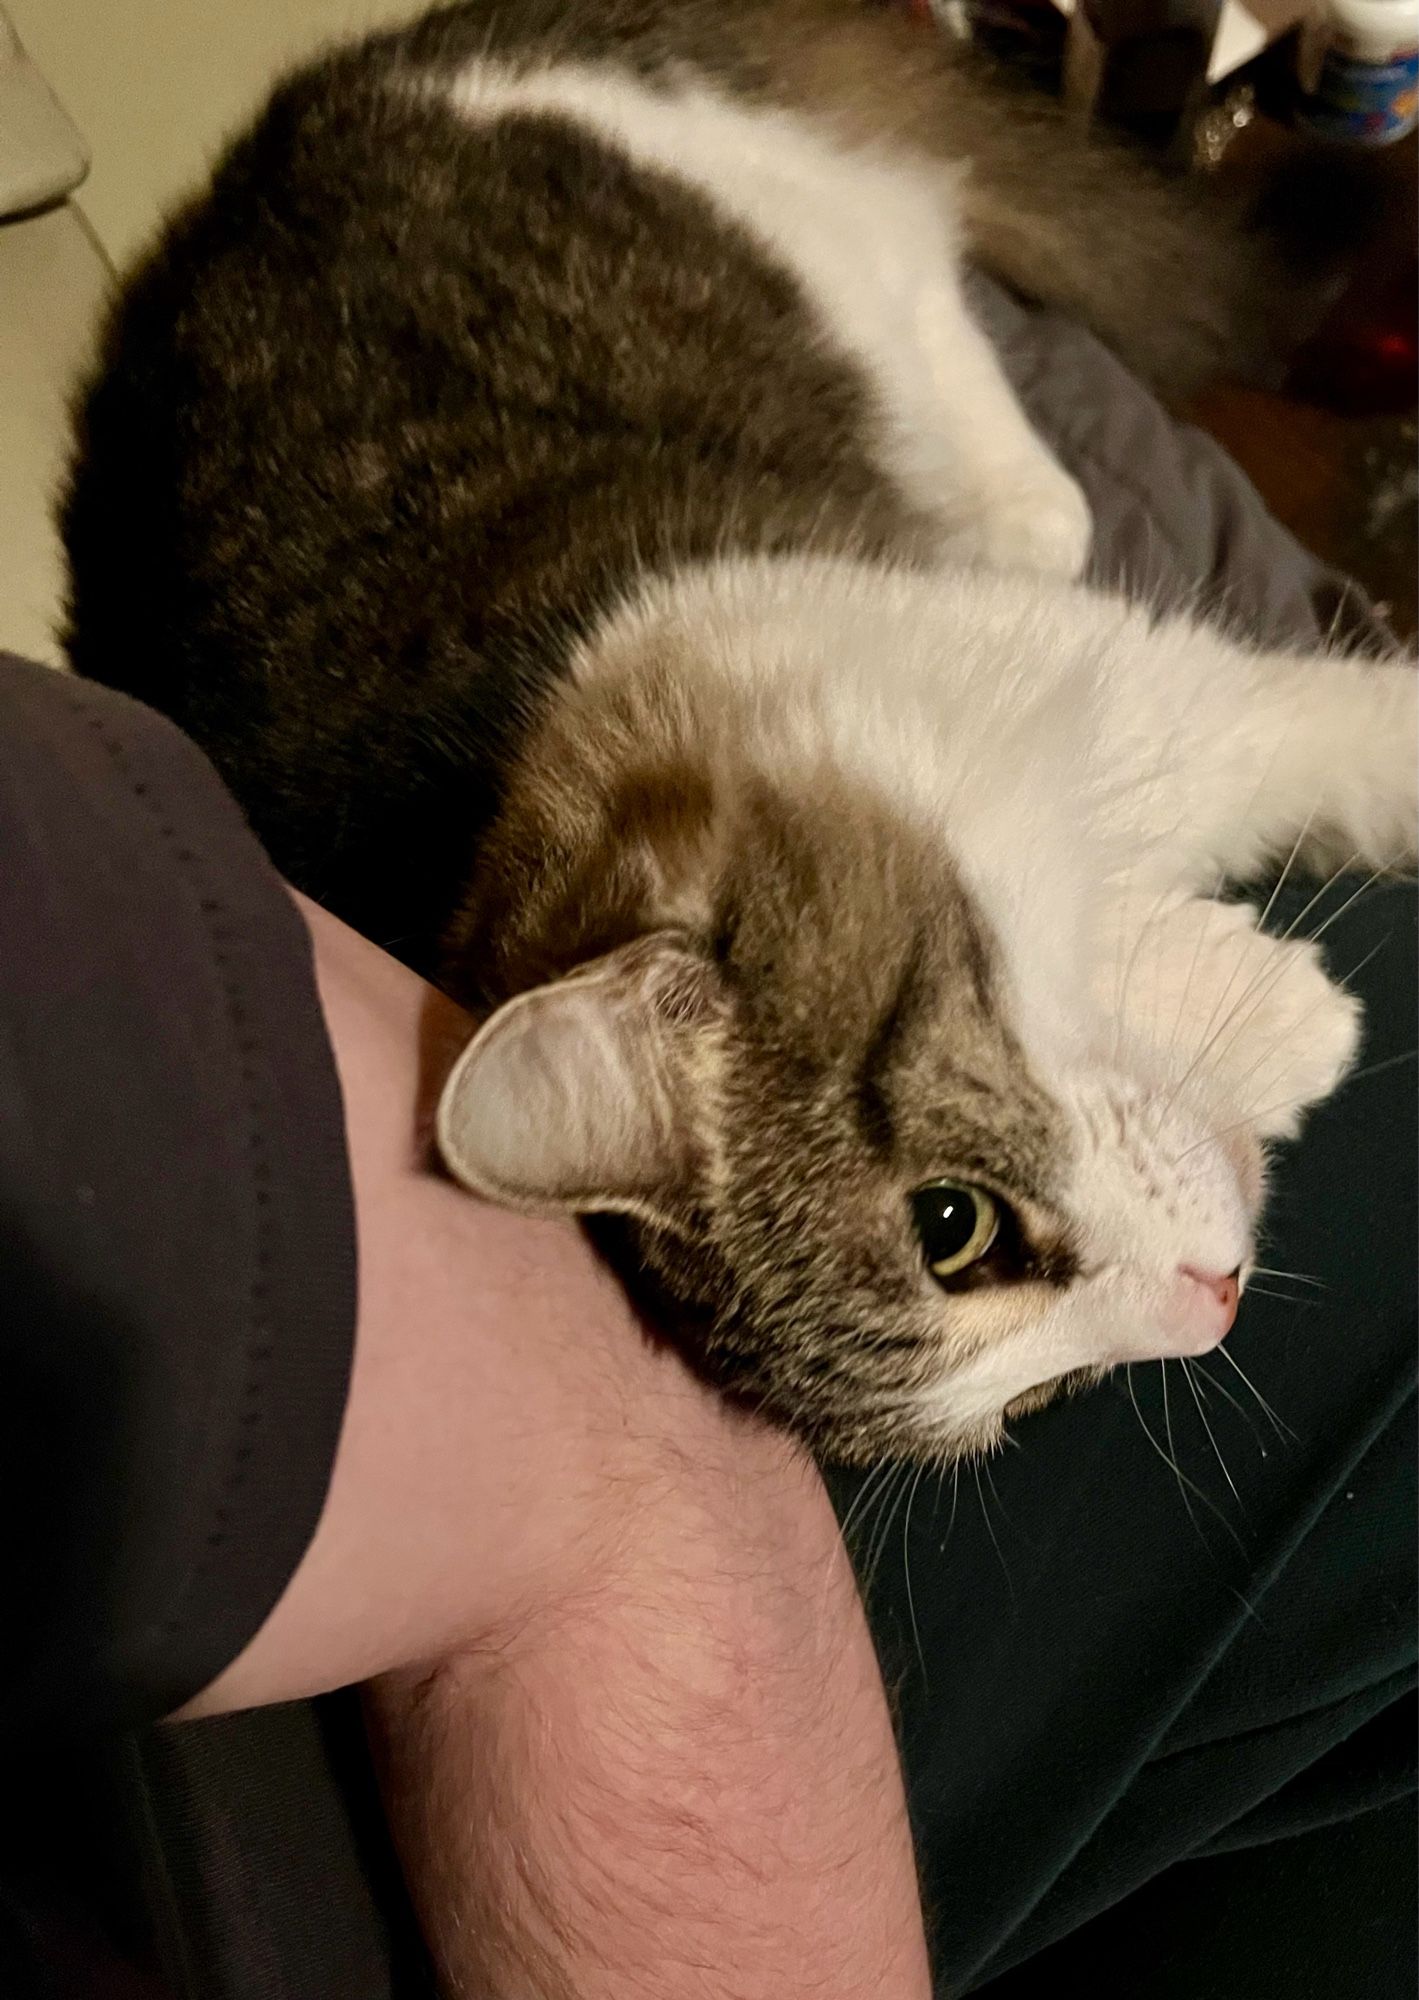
<point>580,1096</point>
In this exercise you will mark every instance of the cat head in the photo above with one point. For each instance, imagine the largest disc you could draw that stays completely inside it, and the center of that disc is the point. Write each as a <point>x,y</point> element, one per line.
<point>889,1188</point>
<point>813,966</point>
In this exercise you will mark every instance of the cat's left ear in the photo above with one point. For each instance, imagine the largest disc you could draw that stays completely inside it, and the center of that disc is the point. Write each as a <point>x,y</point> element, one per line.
<point>582,1096</point>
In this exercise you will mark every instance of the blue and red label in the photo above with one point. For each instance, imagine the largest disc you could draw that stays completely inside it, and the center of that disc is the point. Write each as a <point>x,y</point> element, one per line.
<point>1366,103</point>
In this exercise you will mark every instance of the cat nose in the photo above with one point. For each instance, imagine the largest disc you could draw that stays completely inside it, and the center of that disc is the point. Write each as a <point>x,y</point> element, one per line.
<point>1224,1290</point>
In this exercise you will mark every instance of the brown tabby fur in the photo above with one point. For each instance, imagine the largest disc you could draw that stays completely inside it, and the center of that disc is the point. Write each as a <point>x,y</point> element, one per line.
<point>392,417</point>
<point>815,1085</point>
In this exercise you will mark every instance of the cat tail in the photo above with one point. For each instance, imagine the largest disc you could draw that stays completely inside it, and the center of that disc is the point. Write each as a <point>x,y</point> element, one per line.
<point>1186,284</point>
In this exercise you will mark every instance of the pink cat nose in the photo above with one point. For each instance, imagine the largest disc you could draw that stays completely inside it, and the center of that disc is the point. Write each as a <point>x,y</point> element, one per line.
<point>1224,1290</point>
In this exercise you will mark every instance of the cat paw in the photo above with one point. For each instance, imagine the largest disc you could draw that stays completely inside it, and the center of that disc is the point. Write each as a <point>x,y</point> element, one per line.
<point>1252,1027</point>
<point>1286,1040</point>
<point>1303,1041</point>
<point>1036,520</point>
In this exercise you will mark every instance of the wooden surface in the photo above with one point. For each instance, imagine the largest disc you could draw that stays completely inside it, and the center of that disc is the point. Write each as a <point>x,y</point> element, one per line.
<point>1344,486</point>
<point>1335,457</point>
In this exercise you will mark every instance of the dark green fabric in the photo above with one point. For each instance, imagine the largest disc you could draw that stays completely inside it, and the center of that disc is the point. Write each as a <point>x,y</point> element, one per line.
<point>1104,1669</point>
<point>1313,1918</point>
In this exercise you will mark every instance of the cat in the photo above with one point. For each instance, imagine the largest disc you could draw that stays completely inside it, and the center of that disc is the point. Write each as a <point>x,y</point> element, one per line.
<point>555,474</point>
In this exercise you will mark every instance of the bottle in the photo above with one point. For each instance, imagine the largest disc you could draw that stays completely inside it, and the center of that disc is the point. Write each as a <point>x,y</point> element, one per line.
<point>1364,89</point>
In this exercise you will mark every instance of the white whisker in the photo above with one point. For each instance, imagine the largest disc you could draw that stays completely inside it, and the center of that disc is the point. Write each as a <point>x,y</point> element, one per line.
<point>860,1497</point>
<point>1211,1435</point>
<point>1293,1030</point>
<point>1287,866</point>
<point>1225,1393</point>
<point>907,1571</point>
<point>1283,1430</point>
<point>1191,972</point>
<point>1178,1473</point>
<point>955,1501</point>
<point>892,1494</point>
<point>999,1553</point>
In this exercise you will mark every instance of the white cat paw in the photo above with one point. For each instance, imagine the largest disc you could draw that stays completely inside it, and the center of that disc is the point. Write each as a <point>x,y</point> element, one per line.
<point>1286,1041</point>
<point>1302,1042</point>
<point>1037,519</point>
<point>1252,1027</point>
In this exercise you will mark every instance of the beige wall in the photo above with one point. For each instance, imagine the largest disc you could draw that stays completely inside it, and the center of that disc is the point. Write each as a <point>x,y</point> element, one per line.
<point>154,85</point>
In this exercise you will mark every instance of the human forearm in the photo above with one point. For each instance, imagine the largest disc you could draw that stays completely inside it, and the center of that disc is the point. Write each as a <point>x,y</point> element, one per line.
<point>683,1782</point>
<point>620,1639</point>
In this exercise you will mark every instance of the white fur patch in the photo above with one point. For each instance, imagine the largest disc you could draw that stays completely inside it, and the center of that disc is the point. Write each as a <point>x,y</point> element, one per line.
<point>912,685</point>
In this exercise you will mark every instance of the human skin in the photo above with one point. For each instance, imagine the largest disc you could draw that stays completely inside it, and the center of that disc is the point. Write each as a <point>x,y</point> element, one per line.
<point>623,1698</point>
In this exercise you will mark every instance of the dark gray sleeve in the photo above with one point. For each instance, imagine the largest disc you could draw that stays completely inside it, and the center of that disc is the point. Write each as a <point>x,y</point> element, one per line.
<point>1176,523</point>
<point>177,1256</point>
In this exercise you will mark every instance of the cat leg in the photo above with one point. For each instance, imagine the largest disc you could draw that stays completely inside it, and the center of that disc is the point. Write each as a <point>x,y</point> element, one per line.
<point>1006,501</point>
<point>1261,757</point>
<point>1322,760</point>
<point>1357,755</point>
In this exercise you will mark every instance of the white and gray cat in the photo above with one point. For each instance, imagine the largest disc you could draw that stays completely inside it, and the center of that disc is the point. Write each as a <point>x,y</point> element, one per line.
<point>555,474</point>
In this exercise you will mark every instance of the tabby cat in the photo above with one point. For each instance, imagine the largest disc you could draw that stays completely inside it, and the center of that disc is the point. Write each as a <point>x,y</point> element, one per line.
<point>554,472</point>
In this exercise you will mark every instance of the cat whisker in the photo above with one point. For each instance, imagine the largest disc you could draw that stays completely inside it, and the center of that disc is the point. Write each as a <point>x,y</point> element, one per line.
<point>1005,1514</point>
<point>907,1574</point>
<point>892,1493</point>
<point>1162,769</point>
<point>1221,877</point>
<point>995,1540</point>
<point>1192,971</point>
<point>955,1501</point>
<point>1283,1430</point>
<point>1122,985</point>
<point>1225,1393</point>
<point>1320,893</point>
<point>1291,1031</point>
<point>856,1511</point>
<point>1280,881</point>
<point>1389,1062</point>
<point>1375,875</point>
<point>1214,1029</point>
<point>1297,1277</point>
<point>859,1500</point>
<point>1268,907</point>
<point>1172,1452</point>
<point>1285,966</point>
<point>1211,1434</point>
<point>1184,1483</point>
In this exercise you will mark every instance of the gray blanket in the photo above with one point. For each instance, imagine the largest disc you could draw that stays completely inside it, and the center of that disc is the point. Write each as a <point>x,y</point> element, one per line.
<point>1175,521</point>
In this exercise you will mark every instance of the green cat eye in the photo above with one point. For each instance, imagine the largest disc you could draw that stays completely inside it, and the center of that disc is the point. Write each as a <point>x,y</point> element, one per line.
<point>955,1224</point>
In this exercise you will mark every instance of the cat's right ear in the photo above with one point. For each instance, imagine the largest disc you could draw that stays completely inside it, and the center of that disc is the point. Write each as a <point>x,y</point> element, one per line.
<point>582,1096</point>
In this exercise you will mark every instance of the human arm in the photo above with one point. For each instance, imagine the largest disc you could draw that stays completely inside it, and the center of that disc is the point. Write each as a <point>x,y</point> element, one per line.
<point>632,1730</point>
<point>535,1514</point>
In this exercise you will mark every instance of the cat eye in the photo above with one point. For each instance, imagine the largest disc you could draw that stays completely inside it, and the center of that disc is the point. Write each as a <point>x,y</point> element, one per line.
<point>955,1225</point>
